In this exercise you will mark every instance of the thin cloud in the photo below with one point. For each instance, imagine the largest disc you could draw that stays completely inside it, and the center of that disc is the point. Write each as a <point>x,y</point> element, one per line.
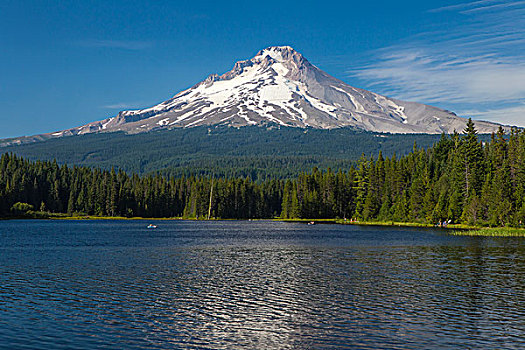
<point>423,76</point>
<point>117,44</point>
<point>120,106</point>
<point>511,115</point>
<point>477,67</point>
<point>473,4</point>
<point>492,7</point>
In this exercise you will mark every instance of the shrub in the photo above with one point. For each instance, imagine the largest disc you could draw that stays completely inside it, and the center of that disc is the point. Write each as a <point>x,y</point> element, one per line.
<point>21,208</point>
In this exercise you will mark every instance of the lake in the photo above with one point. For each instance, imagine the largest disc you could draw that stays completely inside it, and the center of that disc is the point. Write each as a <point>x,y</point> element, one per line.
<point>257,285</point>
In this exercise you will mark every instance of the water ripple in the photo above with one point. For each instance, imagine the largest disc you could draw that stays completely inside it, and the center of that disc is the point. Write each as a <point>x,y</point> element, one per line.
<point>84,285</point>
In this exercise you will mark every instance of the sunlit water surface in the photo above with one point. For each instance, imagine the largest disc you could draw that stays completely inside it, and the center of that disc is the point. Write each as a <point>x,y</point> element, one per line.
<point>263,285</point>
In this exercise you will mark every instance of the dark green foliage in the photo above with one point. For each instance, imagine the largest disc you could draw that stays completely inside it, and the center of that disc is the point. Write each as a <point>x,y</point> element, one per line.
<point>25,185</point>
<point>21,208</point>
<point>459,180</point>
<point>252,151</point>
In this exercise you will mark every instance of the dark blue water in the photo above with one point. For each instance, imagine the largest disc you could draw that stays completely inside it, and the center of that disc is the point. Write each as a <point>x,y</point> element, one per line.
<point>263,285</point>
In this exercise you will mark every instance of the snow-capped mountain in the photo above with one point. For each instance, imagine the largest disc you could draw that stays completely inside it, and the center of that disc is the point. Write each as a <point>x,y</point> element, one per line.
<point>280,86</point>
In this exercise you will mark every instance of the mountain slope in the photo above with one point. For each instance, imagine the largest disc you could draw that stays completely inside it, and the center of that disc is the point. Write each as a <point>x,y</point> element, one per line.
<point>278,86</point>
<point>254,151</point>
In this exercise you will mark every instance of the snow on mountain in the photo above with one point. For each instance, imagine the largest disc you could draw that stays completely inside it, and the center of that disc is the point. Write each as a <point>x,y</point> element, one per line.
<point>280,86</point>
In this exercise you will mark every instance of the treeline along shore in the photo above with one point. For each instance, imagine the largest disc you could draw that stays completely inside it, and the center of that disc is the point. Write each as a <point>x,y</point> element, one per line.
<point>458,180</point>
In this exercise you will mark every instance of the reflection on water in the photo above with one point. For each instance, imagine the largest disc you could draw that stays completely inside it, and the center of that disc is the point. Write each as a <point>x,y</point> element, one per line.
<point>256,285</point>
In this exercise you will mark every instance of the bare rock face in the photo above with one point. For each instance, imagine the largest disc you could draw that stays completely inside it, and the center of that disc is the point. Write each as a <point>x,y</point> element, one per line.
<point>279,86</point>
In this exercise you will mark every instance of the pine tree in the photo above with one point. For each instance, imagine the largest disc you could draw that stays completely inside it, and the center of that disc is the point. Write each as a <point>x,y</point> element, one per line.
<point>472,155</point>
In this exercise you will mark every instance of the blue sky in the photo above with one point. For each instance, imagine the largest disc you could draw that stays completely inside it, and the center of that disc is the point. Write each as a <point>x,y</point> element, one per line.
<point>63,64</point>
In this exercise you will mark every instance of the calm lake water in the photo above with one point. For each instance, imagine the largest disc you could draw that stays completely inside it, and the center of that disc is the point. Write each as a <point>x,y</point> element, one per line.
<point>258,285</point>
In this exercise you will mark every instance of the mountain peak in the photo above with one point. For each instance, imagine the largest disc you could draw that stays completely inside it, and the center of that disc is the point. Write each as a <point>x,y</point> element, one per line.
<point>273,50</point>
<point>279,86</point>
<point>285,57</point>
<point>280,54</point>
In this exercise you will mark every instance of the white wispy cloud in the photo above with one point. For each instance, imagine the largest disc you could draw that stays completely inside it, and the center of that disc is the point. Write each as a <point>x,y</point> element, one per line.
<point>495,6</point>
<point>121,105</point>
<point>475,68</point>
<point>514,115</point>
<point>117,44</point>
<point>422,75</point>
<point>466,5</point>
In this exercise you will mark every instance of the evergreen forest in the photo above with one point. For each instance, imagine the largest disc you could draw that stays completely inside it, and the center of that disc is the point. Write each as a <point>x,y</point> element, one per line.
<point>258,152</point>
<point>460,179</point>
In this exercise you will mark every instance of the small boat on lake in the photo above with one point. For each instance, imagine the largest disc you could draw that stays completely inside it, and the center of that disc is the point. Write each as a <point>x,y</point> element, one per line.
<point>152,226</point>
<point>311,223</point>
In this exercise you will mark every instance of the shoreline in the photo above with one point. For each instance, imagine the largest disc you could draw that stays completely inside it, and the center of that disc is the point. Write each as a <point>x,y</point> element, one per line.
<point>454,229</point>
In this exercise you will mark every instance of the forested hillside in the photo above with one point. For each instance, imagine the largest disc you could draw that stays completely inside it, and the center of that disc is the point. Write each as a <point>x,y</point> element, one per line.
<point>254,151</point>
<point>460,179</point>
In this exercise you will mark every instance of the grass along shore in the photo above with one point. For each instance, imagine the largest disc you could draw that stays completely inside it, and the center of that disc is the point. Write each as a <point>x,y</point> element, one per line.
<point>454,229</point>
<point>64,216</point>
<point>492,232</point>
